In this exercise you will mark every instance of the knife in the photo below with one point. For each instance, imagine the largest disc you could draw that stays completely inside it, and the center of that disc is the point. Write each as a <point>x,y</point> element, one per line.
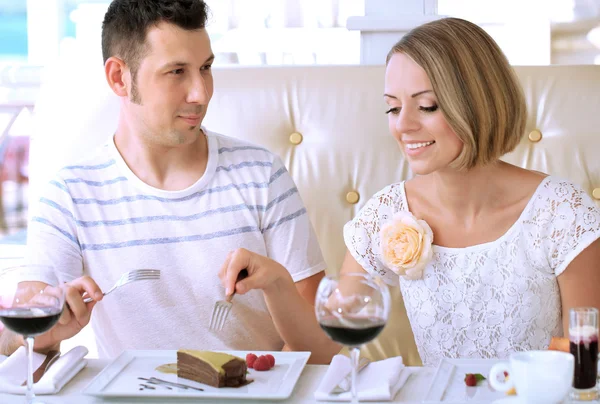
<point>344,385</point>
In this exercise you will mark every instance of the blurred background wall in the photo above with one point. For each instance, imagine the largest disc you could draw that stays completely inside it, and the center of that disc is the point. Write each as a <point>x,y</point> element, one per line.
<point>38,38</point>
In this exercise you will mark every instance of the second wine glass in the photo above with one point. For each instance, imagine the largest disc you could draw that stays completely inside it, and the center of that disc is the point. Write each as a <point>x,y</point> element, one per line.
<point>352,309</point>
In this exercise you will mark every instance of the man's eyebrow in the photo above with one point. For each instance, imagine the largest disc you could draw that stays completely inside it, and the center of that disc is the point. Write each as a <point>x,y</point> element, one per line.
<point>183,64</point>
<point>174,64</point>
<point>412,96</point>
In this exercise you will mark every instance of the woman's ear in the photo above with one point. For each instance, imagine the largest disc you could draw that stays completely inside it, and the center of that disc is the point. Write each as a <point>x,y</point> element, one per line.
<point>117,76</point>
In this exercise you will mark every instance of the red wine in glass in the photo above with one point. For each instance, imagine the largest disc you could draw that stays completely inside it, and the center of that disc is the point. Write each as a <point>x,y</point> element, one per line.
<point>30,321</point>
<point>352,331</point>
<point>352,309</point>
<point>32,298</point>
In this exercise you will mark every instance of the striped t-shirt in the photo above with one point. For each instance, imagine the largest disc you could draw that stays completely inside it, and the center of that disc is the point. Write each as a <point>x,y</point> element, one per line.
<point>97,218</point>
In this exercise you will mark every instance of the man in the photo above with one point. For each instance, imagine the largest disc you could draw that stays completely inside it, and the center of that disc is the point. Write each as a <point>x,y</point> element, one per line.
<point>167,194</point>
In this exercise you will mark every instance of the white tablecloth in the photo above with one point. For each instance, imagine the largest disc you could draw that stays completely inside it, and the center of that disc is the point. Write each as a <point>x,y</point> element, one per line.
<point>412,392</point>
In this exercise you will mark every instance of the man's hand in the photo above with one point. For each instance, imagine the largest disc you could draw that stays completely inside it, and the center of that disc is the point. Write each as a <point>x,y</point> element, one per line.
<point>263,272</point>
<point>76,313</point>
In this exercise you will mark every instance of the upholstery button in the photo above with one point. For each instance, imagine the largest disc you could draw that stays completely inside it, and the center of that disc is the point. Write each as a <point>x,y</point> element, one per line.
<point>535,135</point>
<point>596,193</point>
<point>296,138</point>
<point>352,197</point>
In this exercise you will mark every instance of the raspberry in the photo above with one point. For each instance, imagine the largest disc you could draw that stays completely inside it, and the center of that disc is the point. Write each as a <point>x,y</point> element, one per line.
<point>505,374</point>
<point>271,359</point>
<point>262,363</point>
<point>250,359</point>
<point>470,380</point>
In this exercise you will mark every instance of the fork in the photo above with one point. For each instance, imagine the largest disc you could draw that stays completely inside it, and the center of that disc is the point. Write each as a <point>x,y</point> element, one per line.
<point>131,276</point>
<point>223,307</point>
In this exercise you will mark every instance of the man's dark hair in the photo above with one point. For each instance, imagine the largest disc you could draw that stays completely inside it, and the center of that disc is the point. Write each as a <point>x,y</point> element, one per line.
<point>126,24</point>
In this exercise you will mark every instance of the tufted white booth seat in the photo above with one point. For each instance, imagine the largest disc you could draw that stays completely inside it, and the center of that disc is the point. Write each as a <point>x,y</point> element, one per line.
<point>328,125</point>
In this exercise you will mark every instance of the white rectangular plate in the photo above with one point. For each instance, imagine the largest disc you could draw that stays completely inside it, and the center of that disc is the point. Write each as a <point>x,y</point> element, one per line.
<point>448,383</point>
<point>120,377</point>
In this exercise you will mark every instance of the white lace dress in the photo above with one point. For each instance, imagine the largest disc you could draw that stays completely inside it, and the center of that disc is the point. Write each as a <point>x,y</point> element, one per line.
<point>487,300</point>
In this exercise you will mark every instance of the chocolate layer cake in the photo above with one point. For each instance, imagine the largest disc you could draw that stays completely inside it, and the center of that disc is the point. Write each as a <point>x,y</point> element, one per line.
<point>211,368</point>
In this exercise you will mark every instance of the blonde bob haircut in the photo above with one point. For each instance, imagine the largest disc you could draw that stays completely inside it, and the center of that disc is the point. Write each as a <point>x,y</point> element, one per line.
<point>477,90</point>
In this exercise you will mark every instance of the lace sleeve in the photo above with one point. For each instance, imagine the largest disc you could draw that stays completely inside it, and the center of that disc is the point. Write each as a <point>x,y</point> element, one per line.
<point>361,234</point>
<point>570,222</point>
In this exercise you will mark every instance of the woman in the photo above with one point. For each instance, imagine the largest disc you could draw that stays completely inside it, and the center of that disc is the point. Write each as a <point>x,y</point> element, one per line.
<point>513,250</point>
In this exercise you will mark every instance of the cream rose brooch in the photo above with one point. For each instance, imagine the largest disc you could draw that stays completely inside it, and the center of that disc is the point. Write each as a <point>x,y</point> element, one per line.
<point>406,245</point>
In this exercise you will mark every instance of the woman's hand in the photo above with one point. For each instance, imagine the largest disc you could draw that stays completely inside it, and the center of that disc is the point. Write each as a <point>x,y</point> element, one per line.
<point>263,272</point>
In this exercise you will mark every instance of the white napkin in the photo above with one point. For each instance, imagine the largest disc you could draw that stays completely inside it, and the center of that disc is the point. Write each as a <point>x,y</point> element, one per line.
<point>379,381</point>
<point>13,371</point>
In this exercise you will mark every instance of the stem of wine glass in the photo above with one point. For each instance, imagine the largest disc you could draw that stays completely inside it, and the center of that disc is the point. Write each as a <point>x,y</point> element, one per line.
<point>354,357</point>
<point>30,396</point>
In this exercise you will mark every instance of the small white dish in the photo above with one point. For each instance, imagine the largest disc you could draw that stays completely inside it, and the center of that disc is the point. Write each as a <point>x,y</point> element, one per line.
<point>448,383</point>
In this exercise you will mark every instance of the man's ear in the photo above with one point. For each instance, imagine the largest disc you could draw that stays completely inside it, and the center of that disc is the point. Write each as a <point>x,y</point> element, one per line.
<point>118,76</point>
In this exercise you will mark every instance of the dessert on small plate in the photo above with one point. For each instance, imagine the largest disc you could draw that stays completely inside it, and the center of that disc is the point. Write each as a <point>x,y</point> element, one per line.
<point>217,369</point>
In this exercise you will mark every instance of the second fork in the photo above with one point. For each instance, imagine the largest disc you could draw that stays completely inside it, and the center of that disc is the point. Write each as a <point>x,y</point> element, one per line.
<point>222,308</point>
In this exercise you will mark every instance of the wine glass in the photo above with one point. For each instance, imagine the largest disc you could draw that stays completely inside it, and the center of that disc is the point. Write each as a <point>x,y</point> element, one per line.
<point>32,298</point>
<point>352,309</point>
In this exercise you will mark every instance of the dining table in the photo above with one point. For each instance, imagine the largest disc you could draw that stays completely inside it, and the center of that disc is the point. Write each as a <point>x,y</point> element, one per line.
<point>413,391</point>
